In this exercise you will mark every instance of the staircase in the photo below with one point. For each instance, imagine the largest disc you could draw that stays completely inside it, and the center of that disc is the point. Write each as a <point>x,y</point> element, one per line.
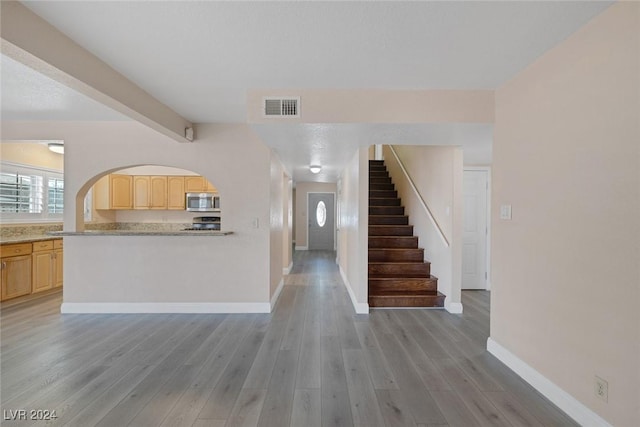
<point>398,274</point>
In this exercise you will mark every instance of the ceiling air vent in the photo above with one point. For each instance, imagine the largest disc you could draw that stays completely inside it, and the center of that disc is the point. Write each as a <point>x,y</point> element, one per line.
<point>281,107</point>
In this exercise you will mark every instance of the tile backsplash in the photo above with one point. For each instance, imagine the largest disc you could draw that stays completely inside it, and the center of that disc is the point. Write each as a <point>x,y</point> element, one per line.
<point>18,230</point>
<point>9,231</point>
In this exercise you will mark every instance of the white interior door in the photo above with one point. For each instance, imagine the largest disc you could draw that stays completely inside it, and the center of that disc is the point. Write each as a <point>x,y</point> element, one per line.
<point>321,217</point>
<point>474,237</point>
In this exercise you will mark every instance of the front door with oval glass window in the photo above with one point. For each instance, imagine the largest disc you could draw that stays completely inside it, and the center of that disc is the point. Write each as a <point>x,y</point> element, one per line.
<point>321,217</point>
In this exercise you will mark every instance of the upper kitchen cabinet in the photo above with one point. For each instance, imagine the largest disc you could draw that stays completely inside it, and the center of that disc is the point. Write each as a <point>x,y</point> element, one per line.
<point>141,194</point>
<point>114,192</point>
<point>175,192</point>
<point>158,192</point>
<point>148,188</point>
<point>198,184</point>
<point>150,192</point>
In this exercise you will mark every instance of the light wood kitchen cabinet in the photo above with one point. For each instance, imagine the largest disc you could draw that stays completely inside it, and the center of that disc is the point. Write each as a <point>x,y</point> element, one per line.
<point>175,192</point>
<point>31,267</point>
<point>141,194</point>
<point>15,270</point>
<point>42,263</point>
<point>114,192</point>
<point>198,184</point>
<point>121,191</point>
<point>158,192</point>
<point>58,261</point>
<point>149,192</point>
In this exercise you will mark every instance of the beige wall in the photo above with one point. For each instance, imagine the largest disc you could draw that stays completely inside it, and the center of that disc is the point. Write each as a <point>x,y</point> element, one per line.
<point>276,224</point>
<point>565,270</point>
<point>231,269</point>
<point>287,226</point>
<point>302,190</point>
<point>437,174</point>
<point>380,106</point>
<point>31,153</point>
<point>353,225</point>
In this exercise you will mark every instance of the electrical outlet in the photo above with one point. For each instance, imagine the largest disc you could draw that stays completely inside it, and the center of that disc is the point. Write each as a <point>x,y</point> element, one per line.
<point>601,388</point>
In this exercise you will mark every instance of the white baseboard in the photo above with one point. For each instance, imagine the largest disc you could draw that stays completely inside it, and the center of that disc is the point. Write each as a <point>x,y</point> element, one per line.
<point>453,307</point>
<point>302,248</point>
<point>287,270</point>
<point>576,410</point>
<point>164,307</point>
<point>276,294</point>
<point>359,307</point>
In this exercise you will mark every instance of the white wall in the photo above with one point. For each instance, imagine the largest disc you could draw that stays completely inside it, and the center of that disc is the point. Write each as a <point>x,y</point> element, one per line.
<point>437,174</point>
<point>302,191</point>
<point>222,270</point>
<point>353,220</point>
<point>565,270</point>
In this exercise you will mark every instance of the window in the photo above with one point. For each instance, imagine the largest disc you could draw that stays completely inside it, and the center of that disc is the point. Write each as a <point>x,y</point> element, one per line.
<point>55,197</point>
<point>29,194</point>
<point>321,213</point>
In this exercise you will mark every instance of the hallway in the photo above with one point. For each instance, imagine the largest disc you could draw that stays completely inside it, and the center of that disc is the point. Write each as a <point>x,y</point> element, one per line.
<point>311,362</point>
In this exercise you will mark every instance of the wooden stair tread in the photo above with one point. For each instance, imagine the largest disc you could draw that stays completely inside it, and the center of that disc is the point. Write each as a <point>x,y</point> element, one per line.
<point>388,277</point>
<point>397,262</point>
<point>416,300</point>
<point>395,249</point>
<point>388,294</point>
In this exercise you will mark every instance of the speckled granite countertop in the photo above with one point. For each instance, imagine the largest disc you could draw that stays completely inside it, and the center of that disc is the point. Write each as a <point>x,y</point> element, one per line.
<point>138,233</point>
<point>28,238</point>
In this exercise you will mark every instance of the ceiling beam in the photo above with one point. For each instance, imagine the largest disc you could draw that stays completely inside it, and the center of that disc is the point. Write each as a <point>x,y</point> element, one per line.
<point>31,40</point>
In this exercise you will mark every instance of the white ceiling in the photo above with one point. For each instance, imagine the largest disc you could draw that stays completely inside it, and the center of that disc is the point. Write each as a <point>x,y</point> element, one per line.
<point>333,145</point>
<point>28,95</point>
<point>200,58</point>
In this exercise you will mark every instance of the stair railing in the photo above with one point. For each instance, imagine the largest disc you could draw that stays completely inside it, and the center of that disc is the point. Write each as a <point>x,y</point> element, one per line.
<point>419,196</point>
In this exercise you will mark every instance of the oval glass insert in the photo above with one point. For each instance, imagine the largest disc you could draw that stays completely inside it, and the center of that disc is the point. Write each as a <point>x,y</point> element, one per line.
<point>321,213</point>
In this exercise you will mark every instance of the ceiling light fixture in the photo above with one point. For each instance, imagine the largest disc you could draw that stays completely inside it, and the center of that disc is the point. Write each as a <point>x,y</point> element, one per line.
<point>56,147</point>
<point>315,168</point>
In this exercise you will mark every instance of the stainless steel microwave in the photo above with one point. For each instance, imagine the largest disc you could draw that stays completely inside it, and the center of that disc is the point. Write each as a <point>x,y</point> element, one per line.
<point>203,202</point>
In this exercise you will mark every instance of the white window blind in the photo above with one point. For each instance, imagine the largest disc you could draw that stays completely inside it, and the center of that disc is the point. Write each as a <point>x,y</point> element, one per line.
<point>29,194</point>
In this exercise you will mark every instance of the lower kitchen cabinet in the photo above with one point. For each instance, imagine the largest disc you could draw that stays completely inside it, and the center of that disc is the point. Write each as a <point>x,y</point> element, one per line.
<point>16,276</point>
<point>15,266</point>
<point>42,264</point>
<point>57,263</point>
<point>30,267</point>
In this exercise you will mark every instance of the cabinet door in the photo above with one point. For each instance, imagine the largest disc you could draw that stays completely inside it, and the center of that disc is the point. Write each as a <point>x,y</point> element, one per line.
<point>141,196</point>
<point>158,189</point>
<point>42,271</point>
<point>194,184</point>
<point>16,276</point>
<point>121,191</point>
<point>101,194</point>
<point>57,268</point>
<point>176,193</point>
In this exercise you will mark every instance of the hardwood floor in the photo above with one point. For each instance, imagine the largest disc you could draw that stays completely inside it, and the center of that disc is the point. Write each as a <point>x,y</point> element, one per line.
<point>312,362</point>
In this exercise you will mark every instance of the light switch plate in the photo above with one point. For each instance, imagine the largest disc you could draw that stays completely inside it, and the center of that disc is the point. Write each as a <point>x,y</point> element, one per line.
<point>505,211</point>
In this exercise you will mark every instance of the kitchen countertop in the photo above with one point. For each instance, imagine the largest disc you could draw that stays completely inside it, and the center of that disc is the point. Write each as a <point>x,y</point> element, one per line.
<point>27,238</point>
<point>140,233</point>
